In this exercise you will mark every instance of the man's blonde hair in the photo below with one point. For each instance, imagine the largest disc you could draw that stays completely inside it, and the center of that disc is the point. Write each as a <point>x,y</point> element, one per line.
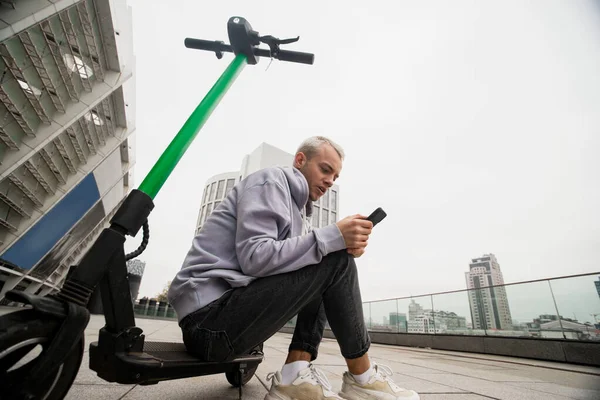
<point>312,145</point>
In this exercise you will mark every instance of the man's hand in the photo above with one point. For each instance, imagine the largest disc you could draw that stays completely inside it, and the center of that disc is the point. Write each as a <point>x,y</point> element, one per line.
<point>356,252</point>
<point>355,230</point>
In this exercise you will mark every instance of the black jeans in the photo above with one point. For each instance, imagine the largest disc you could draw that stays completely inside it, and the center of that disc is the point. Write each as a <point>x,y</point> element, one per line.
<point>245,317</point>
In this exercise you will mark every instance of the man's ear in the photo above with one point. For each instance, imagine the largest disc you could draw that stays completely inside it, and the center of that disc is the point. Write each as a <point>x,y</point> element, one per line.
<point>299,160</point>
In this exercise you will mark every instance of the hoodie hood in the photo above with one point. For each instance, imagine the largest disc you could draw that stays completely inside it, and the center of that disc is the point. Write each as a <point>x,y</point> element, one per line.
<point>299,189</point>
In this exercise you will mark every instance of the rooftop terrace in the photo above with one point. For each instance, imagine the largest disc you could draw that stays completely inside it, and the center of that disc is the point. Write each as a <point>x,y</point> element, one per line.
<point>435,374</point>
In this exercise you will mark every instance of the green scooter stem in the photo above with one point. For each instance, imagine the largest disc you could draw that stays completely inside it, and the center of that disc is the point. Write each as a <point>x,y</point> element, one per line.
<point>170,157</point>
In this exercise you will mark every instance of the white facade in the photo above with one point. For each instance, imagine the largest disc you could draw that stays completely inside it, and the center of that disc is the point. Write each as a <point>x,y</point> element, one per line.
<point>265,156</point>
<point>426,324</point>
<point>429,321</point>
<point>67,148</point>
<point>325,210</point>
<point>414,310</point>
<point>215,190</point>
<point>488,302</point>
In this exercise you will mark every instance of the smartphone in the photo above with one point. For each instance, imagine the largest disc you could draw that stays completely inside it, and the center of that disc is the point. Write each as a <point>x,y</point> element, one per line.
<point>377,216</point>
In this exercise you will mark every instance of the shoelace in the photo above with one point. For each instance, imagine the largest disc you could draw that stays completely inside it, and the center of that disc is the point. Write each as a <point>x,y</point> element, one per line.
<point>313,372</point>
<point>387,371</point>
<point>319,376</point>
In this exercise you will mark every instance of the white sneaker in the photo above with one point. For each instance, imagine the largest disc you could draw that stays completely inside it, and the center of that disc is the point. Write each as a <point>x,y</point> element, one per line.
<point>311,384</point>
<point>379,387</point>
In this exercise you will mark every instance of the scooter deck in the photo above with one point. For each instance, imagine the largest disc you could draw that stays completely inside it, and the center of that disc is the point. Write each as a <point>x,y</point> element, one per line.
<point>160,361</point>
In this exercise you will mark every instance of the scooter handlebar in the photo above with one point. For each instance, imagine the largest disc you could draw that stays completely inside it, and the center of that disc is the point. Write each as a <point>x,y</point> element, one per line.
<point>220,47</point>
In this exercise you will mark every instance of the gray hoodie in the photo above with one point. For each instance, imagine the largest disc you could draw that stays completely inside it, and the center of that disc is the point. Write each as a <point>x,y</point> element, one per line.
<point>256,231</point>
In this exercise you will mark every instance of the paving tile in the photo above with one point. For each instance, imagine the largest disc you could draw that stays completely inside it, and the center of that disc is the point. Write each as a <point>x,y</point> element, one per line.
<point>201,387</point>
<point>451,396</point>
<point>330,359</point>
<point>336,370</point>
<point>553,388</point>
<point>404,366</point>
<point>478,370</point>
<point>566,378</point>
<point>422,386</point>
<point>97,392</point>
<point>483,387</point>
<point>476,363</point>
<point>504,376</point>
<point>499,360</point>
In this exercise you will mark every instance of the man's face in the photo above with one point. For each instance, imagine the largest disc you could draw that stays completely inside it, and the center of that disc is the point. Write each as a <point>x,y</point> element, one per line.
<point>320,171</point>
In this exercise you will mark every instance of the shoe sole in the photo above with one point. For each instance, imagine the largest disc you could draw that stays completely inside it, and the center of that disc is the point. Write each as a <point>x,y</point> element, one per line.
<point>370,396</point>
<point>269,396</point>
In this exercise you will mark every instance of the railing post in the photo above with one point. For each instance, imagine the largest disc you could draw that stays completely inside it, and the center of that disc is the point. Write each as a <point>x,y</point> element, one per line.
<point>397,318</point>
<point>557,312</point>
<point>433,314</point>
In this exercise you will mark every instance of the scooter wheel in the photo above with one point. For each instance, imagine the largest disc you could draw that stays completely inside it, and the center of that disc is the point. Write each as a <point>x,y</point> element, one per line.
<point>233,377</point>
<point>24,336</point>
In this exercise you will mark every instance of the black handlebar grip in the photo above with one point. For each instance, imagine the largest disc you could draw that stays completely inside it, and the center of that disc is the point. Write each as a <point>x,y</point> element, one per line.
<point>296,56</point>
<point>209,45</point>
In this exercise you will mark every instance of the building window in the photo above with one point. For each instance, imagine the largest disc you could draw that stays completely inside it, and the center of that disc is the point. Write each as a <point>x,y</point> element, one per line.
<point>220,189</point>
<point>216,205</point>
<point>334,200</point>
<point>333,217</point>
<point>208,211</point>
<point>324,216</point>
<point>205,194</point>
<point>230,184</point>
<point>202,215</point>
<point>211,197</point>
<point>315,217</point>
<point>326,199</point>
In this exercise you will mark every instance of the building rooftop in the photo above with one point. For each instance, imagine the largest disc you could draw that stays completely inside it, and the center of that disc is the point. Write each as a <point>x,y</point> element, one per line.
<point>434,374</point>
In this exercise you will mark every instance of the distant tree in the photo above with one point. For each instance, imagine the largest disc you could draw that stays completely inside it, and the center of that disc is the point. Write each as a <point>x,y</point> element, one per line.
<point>162,296</point>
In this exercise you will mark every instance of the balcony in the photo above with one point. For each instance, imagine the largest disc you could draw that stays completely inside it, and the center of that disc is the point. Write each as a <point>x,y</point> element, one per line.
<point>63,97</point>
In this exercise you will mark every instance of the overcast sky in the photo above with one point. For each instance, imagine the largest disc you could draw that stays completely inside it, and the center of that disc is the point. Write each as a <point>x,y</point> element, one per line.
<point>475,125</point>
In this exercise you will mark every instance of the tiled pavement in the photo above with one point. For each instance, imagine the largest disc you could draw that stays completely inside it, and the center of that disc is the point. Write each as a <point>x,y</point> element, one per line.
<point>434,374</point>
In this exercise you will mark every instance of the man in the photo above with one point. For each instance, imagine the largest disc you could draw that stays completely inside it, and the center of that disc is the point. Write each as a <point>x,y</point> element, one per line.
<point>256,264</point>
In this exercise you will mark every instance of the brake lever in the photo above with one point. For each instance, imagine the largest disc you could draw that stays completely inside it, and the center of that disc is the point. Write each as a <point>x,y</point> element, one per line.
<point>274,42</point>
<point>290,40</point>
<point>272,39</point>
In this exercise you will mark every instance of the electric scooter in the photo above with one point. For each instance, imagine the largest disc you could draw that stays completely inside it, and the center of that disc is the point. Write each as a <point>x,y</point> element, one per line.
<point>57,322</point>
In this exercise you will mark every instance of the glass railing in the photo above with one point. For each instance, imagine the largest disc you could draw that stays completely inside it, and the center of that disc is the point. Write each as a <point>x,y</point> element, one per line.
<point>153,309</point>
<point>556,308</point>
<point>525,309</point>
